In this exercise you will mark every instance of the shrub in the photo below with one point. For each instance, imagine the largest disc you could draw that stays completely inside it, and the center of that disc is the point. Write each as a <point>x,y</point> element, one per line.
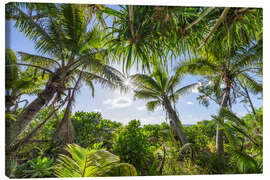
<point>132,147</point>
<point>38,167</point>
<point>91,128</point>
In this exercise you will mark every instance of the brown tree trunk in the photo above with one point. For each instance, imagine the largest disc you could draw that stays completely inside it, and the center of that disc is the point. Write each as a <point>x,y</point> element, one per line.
<point>65,131</point>
<point>175,122</point>
<point>29,113</point>
<point>220,131</point>
<point>28,137</point>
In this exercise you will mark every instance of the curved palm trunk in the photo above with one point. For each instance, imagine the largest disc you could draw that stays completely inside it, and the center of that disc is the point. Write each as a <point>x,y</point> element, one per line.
<point>15,129</point>
<point>28,137</point>
<point>220,131</point>
<point>175,122</point>
<point>65,131</point>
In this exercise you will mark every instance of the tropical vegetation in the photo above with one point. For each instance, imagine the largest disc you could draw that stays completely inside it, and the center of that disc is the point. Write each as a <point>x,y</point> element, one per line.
<point>83,45</point>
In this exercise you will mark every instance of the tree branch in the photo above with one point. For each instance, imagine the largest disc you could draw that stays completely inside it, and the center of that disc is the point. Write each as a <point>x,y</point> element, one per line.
<point>214,28</point>
<point>199,18</point>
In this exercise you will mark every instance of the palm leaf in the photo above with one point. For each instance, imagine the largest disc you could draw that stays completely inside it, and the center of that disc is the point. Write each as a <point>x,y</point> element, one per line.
<point>152,105</point>
<point>90,163</point>
<point>145,94</point>
<point>142,80</point>
<point>38,60</point>
<point>186,89</point>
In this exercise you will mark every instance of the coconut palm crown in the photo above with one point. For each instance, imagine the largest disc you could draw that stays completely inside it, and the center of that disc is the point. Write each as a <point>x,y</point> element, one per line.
<point>159,89</point>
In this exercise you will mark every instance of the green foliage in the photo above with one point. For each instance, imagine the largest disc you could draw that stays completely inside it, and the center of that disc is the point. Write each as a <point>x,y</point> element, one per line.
<point>131,145</point>
<point>247,148</point>
<point>201,133</point>
<point>69,43</point>
<point>90,163</point>
<point>19,82</point>
<point>211,163</point>
<point>38,167</point>
<point>91,128</point>
<point>156,134</point>
<point>159,89</point>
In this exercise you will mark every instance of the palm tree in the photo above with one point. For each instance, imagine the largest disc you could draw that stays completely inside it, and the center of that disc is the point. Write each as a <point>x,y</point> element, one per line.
<point>223,68</point>
<point>159,89</point>
<point>67,44</point>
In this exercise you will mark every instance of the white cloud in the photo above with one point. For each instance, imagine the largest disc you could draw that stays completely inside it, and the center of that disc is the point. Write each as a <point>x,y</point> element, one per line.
<point>120,102</point>
<point>108,101</point>
<point>141,108</point>
<point>97,110</point>
<point>190,103</point>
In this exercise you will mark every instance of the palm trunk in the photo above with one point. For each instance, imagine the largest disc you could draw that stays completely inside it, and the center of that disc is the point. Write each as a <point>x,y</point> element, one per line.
<point>29,113</point>
<point>220,131</point>
<point>65,131</point>
<point>175,122</point>
<point>28,137</point>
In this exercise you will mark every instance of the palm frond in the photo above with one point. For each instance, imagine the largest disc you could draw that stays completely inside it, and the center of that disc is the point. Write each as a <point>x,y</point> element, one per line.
<point>35,31</point>
<point>144,94</point>
<point>74,25</point>
<point>199,66</point>
<point>89,163</point>
<point>173,81</point>
<point>251,83</point>
<point>224,112</point>
<point>152,105</point>
<point>186,89</point>
<point>89,78</point>
<point>38,60</point>
<point>247,163</point>
<point>141,79</point>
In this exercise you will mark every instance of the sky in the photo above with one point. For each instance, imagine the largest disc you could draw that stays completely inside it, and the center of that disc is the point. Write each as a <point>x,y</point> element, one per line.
<point>122,107</point>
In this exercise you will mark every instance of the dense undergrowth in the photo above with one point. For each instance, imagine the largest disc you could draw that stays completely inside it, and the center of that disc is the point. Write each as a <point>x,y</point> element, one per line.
<point>150,148</point>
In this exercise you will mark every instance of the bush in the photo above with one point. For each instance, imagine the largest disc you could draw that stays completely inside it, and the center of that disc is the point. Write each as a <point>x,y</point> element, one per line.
<point>38,167</point>
<point>132,147</point>
<point>91,128</point>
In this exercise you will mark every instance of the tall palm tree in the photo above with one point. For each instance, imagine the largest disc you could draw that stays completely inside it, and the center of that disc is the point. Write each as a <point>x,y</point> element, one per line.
<point>160,89</point>
<point>223,68</point>
<point>67,43</point>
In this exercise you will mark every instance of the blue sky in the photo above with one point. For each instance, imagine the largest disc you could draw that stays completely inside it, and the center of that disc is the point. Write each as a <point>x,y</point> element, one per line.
<point>122,107</point>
